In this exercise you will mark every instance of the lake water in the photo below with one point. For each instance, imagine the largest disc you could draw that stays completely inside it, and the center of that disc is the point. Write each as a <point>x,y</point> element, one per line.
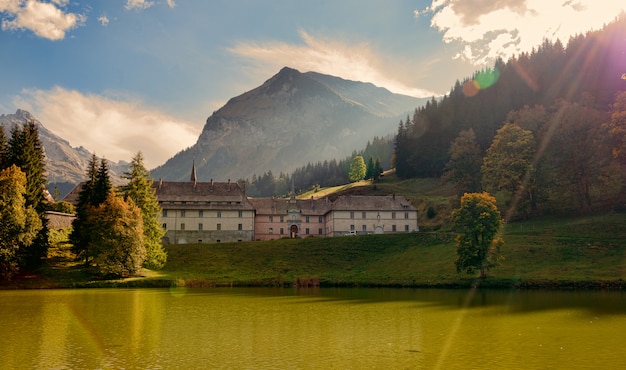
<point>258,328</point>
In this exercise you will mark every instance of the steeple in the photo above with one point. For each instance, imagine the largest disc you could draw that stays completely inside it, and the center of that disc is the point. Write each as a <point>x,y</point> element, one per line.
<point>193,177</point>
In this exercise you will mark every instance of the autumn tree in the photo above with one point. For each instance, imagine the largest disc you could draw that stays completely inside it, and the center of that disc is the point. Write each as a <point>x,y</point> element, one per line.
<point>507,170</point>
<point>19,223</point>
<point>357,168</point>
<point>463,168</point>
<point>140,190</point>
<point>117,243</point>
<point>478,222</point>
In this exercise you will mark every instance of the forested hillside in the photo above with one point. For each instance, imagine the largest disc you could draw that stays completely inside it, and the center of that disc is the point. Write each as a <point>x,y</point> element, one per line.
<point>560,148</point>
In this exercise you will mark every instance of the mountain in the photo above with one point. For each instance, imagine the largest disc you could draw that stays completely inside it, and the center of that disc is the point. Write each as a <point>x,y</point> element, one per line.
<point>66,166</point>
<point>290,120</point>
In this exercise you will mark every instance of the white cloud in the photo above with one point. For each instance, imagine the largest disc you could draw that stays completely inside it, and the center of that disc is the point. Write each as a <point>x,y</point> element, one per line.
<point>138,4</point>
<point>489,29</point>
<point>45,19</point>
<point>112,128</point>
<point>104,20</point>
<point>346,60</point>
<point>171,3</point>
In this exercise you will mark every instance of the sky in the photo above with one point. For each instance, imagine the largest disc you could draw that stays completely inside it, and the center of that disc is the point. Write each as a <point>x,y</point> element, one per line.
<point>122,76</point>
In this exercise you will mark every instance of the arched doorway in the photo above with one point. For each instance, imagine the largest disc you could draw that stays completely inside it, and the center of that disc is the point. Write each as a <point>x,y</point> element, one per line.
<point>293,231</point>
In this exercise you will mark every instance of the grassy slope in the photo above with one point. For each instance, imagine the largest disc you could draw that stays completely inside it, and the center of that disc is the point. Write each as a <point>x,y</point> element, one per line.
<point>574,252</point>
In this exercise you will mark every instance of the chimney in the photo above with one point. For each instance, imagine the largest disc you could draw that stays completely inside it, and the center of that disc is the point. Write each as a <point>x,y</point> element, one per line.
<point>228,187</point>
<point>211,184</point>
<point>160,183</point>
<point>193,177</point>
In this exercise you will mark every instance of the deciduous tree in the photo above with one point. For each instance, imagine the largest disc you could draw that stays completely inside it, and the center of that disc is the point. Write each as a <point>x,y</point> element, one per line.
<point>19,223</point>
<point>477,222</point>
<point>357,168</point>
<point>463,168</point>
<point>117,242</point>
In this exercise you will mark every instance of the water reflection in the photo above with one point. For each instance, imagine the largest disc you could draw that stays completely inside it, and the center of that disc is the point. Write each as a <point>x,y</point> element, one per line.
<point>310,328</point>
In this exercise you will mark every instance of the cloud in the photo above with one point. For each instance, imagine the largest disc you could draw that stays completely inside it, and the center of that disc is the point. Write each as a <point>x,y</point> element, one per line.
<point>45,19</point>
<point>171,3</point>
<point>138,4</point>
<point>104,20</point>
<point>352,61</point>
<point>113,128</point>
<point>485,30</point>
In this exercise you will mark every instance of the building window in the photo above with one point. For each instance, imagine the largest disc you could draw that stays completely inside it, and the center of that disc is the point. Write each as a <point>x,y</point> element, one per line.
<point>164,213</point>
<point>351,227</point>
<point>271,230</point>
<point>351,214</point>
<point>182,214</point>
<point>182,226</point>
<point>200,227</point>
<point>240,214</point>
<point>306,231</point>
<point>363,215</point>
<point>393,215</point>
<point>200,214</point>
<point>406,228</point>
<point>271,218</point>
<point>164,226</point>
<point>282,219</point>
<point>319,231</point>
<point>307,219</point>
<point>282,231</point>
<point>364,228</point>
<point>320,220</point>
<point>393,228</point>
<point>239,227</point>
<point>219,214</point>
<point>219,226</point>
<point>406,215</point>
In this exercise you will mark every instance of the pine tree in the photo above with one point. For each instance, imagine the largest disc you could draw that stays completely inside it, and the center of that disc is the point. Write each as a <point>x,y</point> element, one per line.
<point>87,199</point>
<point>140,190</point>
<point>3,149</point>
<point>26,152</point>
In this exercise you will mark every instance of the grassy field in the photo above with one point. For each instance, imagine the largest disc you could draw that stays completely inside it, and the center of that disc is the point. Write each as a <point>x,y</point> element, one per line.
<point>586,252</point>
<point>576,252</point>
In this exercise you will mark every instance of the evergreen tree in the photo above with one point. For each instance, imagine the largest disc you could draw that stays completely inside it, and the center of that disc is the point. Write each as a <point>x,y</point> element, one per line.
<point>369,170</point>
<point>3,149</point>
<point>26,152</point>
<point>140,190</point>
<point>81,235</point>
<point>378,169</point>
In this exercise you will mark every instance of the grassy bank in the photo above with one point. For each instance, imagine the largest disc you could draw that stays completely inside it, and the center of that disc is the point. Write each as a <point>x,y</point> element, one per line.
<point>586,252</point>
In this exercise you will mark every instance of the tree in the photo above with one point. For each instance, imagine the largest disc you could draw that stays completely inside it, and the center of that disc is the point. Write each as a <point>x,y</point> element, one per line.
<point>357,168</point>
<point>140,190</point>
<point>478,222</point>
<point>117,242</point>
<point>463,168</point>
<point>369,170</point>
<point>19,223</point>
<point>507,170</point>
<point>3,149</point>
<point>93,192</point>
<point>25,150</point>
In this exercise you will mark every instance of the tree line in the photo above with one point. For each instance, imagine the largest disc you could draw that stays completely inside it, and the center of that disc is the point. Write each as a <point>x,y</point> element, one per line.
<point>116,231</point>
<point>376,156</point>
<point>541,132</point>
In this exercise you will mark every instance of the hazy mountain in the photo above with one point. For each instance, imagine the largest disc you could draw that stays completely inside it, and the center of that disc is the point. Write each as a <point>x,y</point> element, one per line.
<point>292,119</point>
<point>66,166</point>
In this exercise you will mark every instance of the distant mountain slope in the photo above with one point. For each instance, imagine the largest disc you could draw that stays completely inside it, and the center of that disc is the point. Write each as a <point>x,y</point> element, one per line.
<point>65,165</point>
<point>292,119</point>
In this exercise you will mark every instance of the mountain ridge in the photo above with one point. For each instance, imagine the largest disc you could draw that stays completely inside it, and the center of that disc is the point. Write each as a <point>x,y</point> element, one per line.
<point>290,120</point>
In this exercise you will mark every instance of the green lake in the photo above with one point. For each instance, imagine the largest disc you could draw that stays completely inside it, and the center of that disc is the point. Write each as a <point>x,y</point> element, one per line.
<point>347,328</point>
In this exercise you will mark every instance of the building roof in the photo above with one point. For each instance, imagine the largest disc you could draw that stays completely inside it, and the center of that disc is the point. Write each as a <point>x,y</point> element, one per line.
<point>280,206</point>
<point>190,193</point>
<point>372,203</point>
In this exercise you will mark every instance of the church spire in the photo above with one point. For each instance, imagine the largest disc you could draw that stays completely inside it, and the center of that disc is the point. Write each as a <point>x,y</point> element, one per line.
<point>193,177</point>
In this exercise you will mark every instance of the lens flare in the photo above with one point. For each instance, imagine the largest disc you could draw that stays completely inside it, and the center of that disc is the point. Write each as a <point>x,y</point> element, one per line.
<point>482,80</point>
